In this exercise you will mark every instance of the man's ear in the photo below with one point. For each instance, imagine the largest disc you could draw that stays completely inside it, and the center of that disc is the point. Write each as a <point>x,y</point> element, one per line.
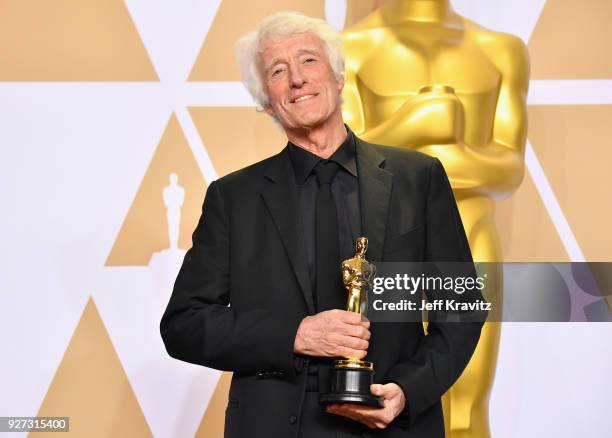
<point>341,82</point>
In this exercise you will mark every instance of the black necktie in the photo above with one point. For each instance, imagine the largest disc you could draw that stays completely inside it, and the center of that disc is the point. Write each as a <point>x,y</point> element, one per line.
<point>328,290</point>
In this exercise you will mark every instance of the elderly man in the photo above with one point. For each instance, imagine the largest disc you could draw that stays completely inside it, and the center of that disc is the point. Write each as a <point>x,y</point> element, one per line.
<point>259,292</point>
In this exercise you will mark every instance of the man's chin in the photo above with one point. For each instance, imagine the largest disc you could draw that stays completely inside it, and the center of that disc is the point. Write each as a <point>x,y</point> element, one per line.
<point>308,123</point>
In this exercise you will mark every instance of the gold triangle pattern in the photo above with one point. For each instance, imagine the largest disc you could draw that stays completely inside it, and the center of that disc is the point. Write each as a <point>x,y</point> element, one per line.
<point>213,420</point>
<point>146,228</point>
<point>230,148</point>
<point>572,41</point>
<point>71,40</point>
<point>91,388</point>
<point>573,147</point>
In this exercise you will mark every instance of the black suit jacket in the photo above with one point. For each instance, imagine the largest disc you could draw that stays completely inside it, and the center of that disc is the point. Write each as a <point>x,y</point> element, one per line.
<point>248,253</point>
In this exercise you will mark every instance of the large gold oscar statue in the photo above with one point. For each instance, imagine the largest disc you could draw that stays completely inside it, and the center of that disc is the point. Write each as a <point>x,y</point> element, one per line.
<point>420,76</point>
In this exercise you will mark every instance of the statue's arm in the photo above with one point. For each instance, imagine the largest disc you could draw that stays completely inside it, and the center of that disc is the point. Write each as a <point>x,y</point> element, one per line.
<point>346,273</point>
<point>413,124</point>
<point>496,168</point>
<point>434,125</point>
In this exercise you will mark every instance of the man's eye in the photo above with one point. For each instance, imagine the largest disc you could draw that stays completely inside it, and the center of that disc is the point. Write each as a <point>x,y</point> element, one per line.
<point>309,60</point>
<point>277,72</point>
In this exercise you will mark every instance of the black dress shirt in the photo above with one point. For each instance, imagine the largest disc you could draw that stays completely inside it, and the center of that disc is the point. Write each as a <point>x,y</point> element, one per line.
<point>345,190</point>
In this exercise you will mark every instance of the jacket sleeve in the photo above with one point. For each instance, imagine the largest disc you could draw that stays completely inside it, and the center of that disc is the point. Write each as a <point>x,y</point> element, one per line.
<point>200,326</point>
<point>446,350</point>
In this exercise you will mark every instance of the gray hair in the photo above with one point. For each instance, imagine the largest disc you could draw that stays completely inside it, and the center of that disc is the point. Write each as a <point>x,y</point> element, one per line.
<point>283,24</point>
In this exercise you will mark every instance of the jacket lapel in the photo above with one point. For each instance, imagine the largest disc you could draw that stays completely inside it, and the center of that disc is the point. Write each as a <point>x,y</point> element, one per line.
<point>375,184</point>
<point>281,199</point>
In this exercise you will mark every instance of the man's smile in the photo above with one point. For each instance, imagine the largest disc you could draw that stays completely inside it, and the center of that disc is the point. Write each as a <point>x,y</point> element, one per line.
<point>303,97</point>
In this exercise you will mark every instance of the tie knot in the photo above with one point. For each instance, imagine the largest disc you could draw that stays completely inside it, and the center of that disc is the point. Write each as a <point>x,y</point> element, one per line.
<point>325,171</point>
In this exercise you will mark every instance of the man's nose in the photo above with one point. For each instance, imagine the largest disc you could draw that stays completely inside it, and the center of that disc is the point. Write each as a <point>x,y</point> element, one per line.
<point>297,77</point>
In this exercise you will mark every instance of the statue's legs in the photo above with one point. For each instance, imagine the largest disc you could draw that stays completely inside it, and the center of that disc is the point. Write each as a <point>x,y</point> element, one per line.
<point>353,300</point>
<point>466,403</point>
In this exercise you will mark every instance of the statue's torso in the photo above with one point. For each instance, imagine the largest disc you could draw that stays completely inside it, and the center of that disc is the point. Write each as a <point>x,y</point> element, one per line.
<point>393,62</point>
<point>405,58</point>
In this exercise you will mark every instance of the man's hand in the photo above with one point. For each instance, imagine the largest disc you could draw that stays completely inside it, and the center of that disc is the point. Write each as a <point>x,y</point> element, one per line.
<point>375,418</point>
<point>333,333</point>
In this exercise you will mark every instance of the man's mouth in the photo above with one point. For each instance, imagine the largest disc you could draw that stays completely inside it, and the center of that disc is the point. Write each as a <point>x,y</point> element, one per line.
<point>304,97</point>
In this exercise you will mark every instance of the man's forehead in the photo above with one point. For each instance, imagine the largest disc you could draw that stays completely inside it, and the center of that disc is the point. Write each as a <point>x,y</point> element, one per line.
<point>296,43</point>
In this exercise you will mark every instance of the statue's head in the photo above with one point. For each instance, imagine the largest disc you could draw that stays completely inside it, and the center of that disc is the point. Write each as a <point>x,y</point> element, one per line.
<point>361,246</point>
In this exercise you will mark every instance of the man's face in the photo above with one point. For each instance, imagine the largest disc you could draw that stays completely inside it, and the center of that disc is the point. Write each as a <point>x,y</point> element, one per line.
<point>303,91</point>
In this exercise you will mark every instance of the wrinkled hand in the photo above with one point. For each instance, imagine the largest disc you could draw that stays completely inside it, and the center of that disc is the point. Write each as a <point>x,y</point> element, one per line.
<point>333,333</point>
<point>374,418</point>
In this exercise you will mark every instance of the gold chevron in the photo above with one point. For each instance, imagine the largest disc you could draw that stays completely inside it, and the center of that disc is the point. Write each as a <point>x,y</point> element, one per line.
<point>144,230</point>
<point>230,148</point>
<point>572,144</point>
<point>213,421</point>
<point>71,40</point>
<point>572,41</point>
<point>90,386</point>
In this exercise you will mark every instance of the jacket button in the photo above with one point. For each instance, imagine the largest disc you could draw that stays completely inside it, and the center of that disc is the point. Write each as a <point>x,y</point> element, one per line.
<point>292,419</point>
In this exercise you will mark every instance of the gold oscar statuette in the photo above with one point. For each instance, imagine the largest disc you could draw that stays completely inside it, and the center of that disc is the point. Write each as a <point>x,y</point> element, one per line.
<point>351,377</point>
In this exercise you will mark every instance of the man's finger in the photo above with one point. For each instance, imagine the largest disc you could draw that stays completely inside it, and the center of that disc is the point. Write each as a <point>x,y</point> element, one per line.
<point>349,352</point>
<point>358,331</point>
<point>357,418</point>
<point>350,317</point>
<point>355,409</point>
<point>348,342</point>
<point>387,391</point>
<point>347,411</point>
<point>377,389</point>
<point>363,414</point>
<point>354,343</point>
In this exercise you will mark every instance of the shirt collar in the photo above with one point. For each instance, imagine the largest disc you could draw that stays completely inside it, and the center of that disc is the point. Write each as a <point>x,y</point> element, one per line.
<point>304,161</point>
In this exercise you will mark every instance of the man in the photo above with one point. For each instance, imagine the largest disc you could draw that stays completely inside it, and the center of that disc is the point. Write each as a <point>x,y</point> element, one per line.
<point>270,241</point>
